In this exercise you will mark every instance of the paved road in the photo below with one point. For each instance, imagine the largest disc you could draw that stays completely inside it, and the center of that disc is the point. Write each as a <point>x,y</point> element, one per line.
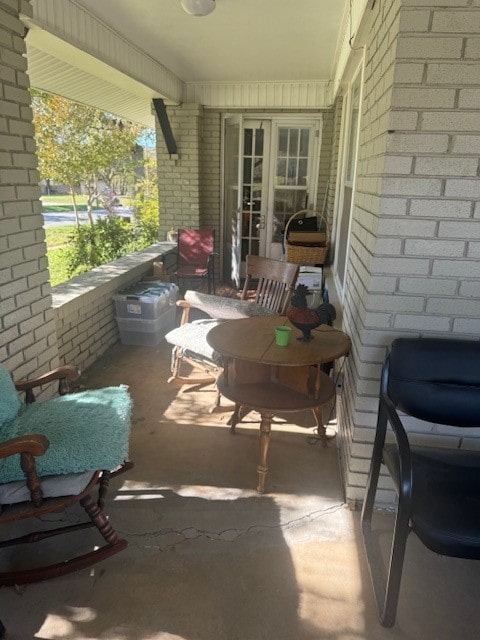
<point>68,217</point>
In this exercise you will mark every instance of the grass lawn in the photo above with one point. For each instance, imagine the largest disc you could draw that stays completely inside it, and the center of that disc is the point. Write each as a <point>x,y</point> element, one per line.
<point>57,238</point>
<point>57,204</point>
<point>57,266</point>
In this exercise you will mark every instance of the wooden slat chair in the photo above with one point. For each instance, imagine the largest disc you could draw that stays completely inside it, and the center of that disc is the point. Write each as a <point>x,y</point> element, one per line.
<point>54,454</point>
<point>274,281</point>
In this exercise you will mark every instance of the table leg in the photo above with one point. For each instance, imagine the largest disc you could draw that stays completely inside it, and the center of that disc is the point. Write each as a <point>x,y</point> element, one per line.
<point>322,431</point>
<point>265,428</point>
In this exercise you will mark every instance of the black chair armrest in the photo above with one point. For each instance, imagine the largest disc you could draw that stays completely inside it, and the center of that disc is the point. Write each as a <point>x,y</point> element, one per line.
<point>405,469</point>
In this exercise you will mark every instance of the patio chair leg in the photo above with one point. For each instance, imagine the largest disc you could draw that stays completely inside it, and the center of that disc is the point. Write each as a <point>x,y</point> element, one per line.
<point>235,417</point>
<point>386,588</point>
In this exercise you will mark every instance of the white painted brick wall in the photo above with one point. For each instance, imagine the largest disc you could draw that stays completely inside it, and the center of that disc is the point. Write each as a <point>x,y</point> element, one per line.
<point>178,180</point>
<point>420,189</point>
<point>27,328</point>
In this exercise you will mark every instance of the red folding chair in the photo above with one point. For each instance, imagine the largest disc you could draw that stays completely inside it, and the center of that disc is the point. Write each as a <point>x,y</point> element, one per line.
<point>195,259</point>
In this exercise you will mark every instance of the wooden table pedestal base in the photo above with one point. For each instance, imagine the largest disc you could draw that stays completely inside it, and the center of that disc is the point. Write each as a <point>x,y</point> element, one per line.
<point>269,399</point>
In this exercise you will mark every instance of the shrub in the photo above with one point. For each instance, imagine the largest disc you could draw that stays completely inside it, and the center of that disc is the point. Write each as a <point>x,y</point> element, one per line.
<point>145,205</point>
<point>94,245</point>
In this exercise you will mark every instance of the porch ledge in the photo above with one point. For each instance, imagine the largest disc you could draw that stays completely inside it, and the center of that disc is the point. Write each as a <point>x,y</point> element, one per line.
<point>120,272</point>
<point>84,309</point>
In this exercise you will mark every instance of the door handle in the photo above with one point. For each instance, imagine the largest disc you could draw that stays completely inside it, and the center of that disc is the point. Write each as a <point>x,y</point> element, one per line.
<point>262,221</point>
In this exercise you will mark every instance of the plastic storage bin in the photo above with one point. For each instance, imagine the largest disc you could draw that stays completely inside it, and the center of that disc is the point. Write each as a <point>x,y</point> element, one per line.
<point>148,333</point>
<point>146,312</point>
<point>145,300</point>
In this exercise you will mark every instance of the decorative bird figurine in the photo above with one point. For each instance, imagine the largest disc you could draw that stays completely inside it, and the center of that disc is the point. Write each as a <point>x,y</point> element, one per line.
<point>307,319</point>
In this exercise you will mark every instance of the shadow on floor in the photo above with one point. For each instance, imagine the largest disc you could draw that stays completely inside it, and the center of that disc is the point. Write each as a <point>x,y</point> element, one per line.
<point>210,559</point>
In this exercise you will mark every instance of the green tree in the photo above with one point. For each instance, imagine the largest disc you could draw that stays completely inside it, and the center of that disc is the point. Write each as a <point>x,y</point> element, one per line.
<point>145,203</point>
<point>78,144</point>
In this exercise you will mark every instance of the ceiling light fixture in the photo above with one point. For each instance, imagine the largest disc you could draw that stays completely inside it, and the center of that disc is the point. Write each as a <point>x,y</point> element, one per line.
<point>198,7</point>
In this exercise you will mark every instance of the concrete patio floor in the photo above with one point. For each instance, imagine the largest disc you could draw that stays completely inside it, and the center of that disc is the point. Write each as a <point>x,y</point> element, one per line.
<point>210,559</point>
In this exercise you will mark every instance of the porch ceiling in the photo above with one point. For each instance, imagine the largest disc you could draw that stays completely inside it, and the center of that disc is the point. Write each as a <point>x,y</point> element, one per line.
<point>241,41</point>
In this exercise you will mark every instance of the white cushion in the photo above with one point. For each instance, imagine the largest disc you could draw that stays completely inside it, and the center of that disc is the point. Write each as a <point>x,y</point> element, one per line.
<point>70,484</point>
<point>225,308</point>
<point>193,337</point>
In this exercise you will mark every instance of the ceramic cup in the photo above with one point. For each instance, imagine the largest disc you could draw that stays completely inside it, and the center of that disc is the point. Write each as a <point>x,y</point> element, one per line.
<point>282,336</point>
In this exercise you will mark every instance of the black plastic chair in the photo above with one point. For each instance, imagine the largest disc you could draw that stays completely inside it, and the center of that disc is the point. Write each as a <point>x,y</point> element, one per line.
<point>438,381</point>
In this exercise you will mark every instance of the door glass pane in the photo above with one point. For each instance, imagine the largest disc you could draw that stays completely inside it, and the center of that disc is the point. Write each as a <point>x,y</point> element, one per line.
<point>247,142</point>
<point>259,142</point>
<point>258,170</point>
<point>293,145</point>
<point>231,252</point>
<point>247,169</point>
<point>257,200</point>
<point>281,171</point>
<point>255,230</point>
<point>291,181</point>
<point>292,171</point>
<point>253,163</point>
<point>282,142</point>
<point>286,204</point>
<point>304,142</point>
<point>302,171</point>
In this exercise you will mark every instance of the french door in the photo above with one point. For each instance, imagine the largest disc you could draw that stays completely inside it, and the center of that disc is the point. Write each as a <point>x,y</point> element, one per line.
<point>270,172</point>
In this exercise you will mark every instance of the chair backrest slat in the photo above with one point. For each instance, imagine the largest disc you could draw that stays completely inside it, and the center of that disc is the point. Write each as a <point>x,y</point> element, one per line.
<point>275,281</point>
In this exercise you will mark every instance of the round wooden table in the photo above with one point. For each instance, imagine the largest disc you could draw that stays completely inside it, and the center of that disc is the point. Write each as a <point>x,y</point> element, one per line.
<point>260,375</point>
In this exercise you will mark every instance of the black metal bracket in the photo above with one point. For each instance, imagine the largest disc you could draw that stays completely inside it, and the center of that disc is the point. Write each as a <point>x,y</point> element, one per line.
<point>161,111</point>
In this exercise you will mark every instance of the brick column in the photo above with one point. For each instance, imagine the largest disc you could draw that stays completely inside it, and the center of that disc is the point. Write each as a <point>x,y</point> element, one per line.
<point>179,180</point>
<point>28,342</point>
<point>413,264</point>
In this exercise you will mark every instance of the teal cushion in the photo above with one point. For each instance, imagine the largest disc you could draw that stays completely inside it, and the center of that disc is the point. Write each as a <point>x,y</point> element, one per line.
<point>9,401</point>
<point>86,431</point>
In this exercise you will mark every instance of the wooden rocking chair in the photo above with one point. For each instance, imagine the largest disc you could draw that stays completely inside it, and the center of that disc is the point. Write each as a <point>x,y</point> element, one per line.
<point>274,281</point>
<point>41,492</point>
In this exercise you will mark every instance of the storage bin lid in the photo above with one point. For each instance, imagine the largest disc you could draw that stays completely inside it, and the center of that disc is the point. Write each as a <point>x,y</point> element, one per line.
<point>146,290</point>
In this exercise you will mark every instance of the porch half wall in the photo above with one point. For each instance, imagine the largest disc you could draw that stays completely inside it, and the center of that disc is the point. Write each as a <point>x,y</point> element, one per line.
<point>413,266</point>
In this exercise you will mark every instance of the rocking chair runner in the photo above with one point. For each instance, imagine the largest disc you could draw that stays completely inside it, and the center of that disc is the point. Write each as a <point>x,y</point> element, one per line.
<point>32,456</point>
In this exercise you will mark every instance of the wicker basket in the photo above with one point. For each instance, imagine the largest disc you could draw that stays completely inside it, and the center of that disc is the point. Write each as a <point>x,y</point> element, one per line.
<point>301,251</point>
